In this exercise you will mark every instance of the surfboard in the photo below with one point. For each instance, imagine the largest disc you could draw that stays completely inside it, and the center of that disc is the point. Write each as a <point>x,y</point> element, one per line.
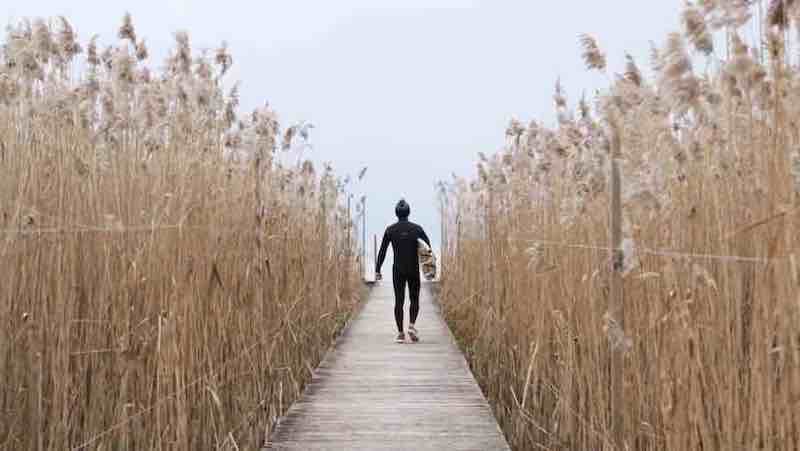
<point>427,259</point>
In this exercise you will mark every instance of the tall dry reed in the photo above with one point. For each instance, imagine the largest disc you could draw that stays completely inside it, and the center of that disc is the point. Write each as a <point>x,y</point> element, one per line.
<point>710,168</point>
<point>166,282</point>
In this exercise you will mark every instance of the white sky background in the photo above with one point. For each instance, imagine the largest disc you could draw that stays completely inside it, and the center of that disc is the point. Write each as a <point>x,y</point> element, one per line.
<point>411,90</point>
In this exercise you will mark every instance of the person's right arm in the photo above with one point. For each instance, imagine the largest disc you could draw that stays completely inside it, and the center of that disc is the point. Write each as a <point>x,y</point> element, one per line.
<point>382,254</point>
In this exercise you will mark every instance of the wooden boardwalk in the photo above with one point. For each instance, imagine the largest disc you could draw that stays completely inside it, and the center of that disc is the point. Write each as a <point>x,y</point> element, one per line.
<point>370,393</point>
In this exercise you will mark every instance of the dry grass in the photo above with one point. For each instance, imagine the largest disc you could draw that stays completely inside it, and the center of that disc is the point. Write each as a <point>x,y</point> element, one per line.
<point>710,166</point>
<point>166,283</point>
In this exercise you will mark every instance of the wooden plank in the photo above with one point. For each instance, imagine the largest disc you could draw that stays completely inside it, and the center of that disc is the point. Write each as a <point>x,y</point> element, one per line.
<point>370,393</point>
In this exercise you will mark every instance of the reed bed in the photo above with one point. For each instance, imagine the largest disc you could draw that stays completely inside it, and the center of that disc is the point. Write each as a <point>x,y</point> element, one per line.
<point>166,279</point>
<point>710,187</point>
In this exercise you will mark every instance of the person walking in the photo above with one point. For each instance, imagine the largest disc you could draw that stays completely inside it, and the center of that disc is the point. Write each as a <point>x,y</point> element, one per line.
<point>403,236</point>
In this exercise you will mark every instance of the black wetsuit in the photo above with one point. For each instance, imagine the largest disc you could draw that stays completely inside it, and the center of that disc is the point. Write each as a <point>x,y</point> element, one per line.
<point>403,236</point>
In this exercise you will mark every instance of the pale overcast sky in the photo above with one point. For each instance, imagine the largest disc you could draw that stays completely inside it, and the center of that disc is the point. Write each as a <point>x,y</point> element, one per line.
<point>410,89</point>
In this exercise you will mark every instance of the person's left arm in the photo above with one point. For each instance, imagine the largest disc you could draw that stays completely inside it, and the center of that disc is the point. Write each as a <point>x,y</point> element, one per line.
<point>424,237</point>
